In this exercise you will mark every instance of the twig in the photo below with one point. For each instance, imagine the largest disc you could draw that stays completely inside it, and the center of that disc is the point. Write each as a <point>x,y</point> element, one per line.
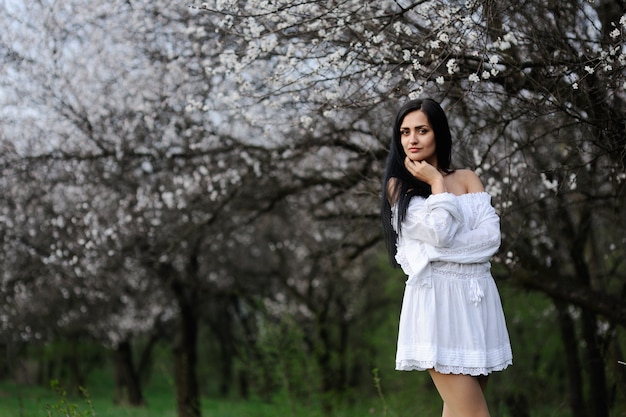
<point>379,390</point>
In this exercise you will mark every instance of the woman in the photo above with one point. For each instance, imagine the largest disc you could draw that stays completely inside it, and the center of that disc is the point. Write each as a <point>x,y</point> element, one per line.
<point>441,229</point>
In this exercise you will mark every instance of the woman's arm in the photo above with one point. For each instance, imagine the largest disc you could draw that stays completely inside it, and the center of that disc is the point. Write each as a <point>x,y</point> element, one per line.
<point>434,220</point>
<point>478,244</point>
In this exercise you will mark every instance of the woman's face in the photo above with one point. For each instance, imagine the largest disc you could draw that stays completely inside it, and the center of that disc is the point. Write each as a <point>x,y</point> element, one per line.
<point>418,138</point>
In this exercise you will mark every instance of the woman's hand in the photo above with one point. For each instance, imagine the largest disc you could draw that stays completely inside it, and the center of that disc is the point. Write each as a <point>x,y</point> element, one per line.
<point>427,173</point>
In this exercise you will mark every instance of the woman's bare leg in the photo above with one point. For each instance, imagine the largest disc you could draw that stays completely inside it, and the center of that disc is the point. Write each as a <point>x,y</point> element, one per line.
<point>462,395</point>
<point>482,380</point>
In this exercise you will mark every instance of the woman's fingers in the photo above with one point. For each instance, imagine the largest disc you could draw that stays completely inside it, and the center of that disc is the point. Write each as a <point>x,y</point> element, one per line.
<point>421,170</point>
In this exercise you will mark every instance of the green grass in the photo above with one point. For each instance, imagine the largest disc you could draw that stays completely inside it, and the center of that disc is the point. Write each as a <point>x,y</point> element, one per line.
<point>403,395</point>
<point>19,400</point>
<point>33,401</point>
<point>412,400</point>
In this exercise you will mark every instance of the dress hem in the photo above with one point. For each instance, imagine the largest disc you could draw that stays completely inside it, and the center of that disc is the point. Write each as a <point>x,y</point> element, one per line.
<point>446,369</point>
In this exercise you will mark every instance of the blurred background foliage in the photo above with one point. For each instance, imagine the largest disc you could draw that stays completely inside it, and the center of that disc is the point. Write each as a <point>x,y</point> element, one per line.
<point>189,198</point>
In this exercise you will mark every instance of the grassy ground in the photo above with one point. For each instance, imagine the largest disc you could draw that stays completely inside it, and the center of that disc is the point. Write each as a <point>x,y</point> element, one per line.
<point>415,399</point>
<point>34,401</point>
<point>407,397</point>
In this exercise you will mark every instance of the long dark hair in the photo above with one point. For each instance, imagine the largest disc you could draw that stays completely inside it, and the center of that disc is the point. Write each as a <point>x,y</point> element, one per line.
<point>405,185</point>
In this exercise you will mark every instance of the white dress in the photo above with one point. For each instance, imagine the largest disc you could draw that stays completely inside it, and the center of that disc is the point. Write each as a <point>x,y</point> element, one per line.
<point>451,318</point>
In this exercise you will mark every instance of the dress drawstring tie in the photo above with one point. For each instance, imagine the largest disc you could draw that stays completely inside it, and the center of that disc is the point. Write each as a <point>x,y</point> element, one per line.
<point>476,293</point>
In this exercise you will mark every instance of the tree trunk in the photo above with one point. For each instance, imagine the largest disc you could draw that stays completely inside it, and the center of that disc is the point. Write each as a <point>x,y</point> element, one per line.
<point>244,385</point>
<point>572,361</point>
<point>223,328</point>
<point>595,364</point>
<point>144,368</point>
<point>185,353</point>
<point>226,367</point>
<point>74,362</point>
<point>594,360</point>
<point>325,365</point>
<point>344,333</point>
<point>618,365</point>
<point>128,386</point>
<point>4,360</point>
<point>323,358</point>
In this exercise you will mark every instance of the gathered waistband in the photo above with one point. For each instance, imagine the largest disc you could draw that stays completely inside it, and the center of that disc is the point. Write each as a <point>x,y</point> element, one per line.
<point>470,274</point>
<point>460,269</point>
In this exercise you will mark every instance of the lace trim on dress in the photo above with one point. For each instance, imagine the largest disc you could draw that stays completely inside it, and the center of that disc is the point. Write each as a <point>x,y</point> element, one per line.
<point>404,262</point>
<point>473,248</point>
<point>413,365</point>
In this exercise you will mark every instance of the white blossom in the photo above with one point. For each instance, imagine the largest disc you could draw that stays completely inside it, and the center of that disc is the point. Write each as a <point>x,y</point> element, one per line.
<point>551,185</point>
<point>510,37</point>
<point>378,38</point>
<point>452,66</point>
<point>416,93</point>
<point>306,121</point>
<point>572,181</point>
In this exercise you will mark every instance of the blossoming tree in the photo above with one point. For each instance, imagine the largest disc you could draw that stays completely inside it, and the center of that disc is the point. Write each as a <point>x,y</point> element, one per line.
<point>536,91</point>
<point>160,160</point>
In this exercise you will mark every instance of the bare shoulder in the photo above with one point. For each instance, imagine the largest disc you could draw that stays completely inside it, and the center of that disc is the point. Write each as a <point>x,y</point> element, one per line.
<point>470,180</point>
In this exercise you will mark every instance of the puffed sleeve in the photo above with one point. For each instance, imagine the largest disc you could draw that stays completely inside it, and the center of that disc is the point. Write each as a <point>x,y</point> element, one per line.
<point>434,220</point>
<point>477,243</point>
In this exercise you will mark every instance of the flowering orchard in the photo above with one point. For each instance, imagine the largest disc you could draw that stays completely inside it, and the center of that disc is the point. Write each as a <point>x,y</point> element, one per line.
<point>217,165</point>
<point>536,92</point>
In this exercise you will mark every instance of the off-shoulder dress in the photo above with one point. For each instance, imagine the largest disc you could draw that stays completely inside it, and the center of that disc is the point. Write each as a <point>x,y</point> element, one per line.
<point>451,318</point>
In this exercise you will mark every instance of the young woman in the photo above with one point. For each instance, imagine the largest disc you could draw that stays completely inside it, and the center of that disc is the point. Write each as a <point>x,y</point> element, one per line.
<point>441,228</point>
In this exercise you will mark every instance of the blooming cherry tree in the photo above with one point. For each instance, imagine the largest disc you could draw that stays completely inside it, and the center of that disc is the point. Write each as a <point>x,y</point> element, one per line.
<point>159,158</point>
